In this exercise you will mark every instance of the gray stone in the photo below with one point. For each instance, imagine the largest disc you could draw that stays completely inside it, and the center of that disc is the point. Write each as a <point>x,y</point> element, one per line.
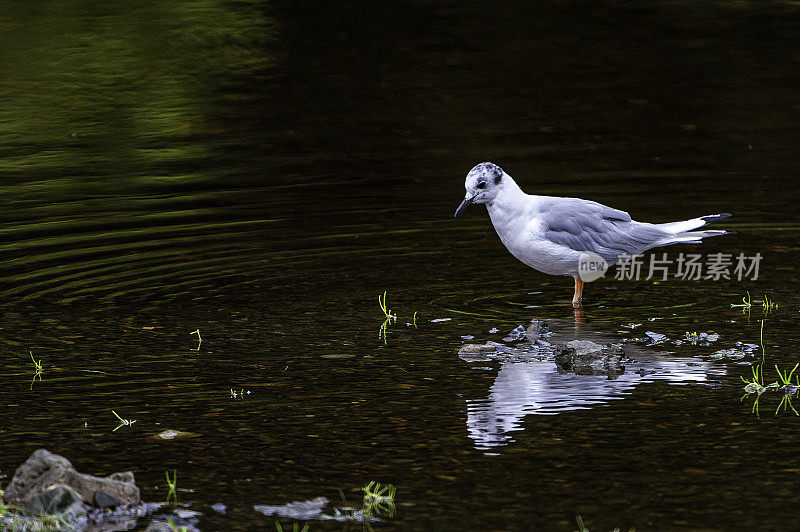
<point>103,499</point>
<point>44,470</point>
<point>537,330</point>
<point>60,499</point>
<point>158,526</point>
<point>171,434</point>
<point>477,349</point>
<point>584,357</point>
<point>310,509</point>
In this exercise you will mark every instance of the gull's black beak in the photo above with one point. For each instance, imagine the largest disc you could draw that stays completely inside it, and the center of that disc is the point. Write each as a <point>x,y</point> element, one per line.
<point>464,205</point>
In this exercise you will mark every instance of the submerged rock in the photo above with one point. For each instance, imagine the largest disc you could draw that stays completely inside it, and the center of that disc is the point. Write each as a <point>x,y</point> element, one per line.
<point>309,509</point>
<point>477,349</point>
<point>516,335</point>
<point>219,508</point>
<point>46,480</point>
<point>159,525</point>
<point>537,330</point>
<point>171,434</point>
<point>584,357</point>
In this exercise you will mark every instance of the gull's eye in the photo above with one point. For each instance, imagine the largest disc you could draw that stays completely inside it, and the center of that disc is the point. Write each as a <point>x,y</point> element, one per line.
<point>482,184</point>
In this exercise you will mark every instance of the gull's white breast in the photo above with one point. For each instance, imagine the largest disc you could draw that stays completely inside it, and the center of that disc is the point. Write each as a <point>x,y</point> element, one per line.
<point>522,232</point>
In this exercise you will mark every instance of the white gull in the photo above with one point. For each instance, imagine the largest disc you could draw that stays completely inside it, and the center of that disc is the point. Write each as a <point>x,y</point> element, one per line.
<point>553,234</point>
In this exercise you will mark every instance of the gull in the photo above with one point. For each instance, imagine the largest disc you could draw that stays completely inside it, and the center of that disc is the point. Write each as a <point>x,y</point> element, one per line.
<point>554,235</point>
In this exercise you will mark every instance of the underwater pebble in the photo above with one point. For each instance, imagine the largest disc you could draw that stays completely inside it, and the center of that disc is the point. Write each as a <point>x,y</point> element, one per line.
<point>655,338</point>
<point>310,509</point>
<point>438,320</point>
<point>738,351</point>
<point>517,334</point>
<point>219,508</point>
<point>494,330</point>
<point>467,337</point>
<point>171,434</point>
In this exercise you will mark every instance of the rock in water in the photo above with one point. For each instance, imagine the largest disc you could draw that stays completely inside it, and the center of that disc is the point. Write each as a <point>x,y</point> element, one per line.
<point>584,357</point>
<point>45,470</point>
<point>537,330</point>
<point>61,499</point>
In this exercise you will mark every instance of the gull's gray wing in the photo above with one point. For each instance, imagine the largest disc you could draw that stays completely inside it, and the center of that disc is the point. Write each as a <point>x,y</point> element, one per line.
<point>583,225</point>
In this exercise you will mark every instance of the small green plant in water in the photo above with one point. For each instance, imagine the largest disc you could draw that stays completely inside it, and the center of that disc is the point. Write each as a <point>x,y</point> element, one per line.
<point>172,486</point>
<point>378,499</point>
<point>415,319</point>
<point>386,312</point>
<point>768,304</point>
<point>382,330</point>
<point>122,422</point>
<point>176,528</point>
<point>581,526</point>
<point>37,365</point>
<point>37,369</point>
<point>239,394</point>
<point>789,388</point>
<point>4,508</point>
<point>295,527</point>
<point>745,304</point>
<point>199,338</point>
<point>756,384</point>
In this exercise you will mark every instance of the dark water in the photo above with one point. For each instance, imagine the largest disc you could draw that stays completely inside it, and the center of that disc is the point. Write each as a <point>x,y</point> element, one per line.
<point>261,172</point>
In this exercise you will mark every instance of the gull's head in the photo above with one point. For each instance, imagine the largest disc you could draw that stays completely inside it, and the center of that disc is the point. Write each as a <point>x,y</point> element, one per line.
<point>483,183</point>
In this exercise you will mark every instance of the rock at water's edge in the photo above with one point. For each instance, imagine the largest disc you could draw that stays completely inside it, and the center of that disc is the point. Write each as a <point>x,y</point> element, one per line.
<point>44,470</point>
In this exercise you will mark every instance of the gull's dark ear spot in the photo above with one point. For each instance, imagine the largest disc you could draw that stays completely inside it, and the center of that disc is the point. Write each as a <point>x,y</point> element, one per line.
<point>495,172</point>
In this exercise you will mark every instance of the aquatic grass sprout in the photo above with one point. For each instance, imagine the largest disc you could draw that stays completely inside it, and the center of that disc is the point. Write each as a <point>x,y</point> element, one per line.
<point>745,304</point>
<point>37,367</point>
<point>5,508</point>
<point>766,303</point>
<point>756,384</point>
<point>239,394</point>
<point>122,422</point>
<point>295,527</point>
<point>172,486</point>
<point>36,364</point>
<point>382,330</point>
<point>389,317</point>
<point>176,528</point>
<point>378,499</point>
<point>199,338</point>
<point>386,312</point>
